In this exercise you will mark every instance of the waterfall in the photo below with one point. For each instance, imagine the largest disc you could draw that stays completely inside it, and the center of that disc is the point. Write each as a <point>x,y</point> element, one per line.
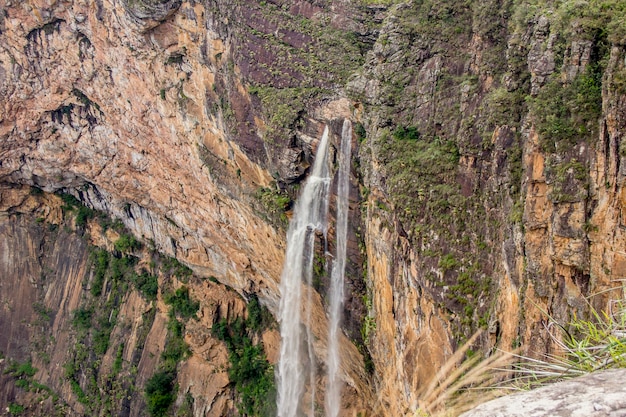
<point>333,391</point>
<point>309,215</point>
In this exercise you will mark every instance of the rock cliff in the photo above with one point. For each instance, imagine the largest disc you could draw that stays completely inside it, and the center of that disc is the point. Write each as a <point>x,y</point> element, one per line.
<point>487,187</point>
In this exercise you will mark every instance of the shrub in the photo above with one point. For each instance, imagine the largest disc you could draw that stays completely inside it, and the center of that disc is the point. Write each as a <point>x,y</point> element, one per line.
<point>275,202</point>
<point>122,268</point>
<point>117,364</point>
<point>15,409</point>
<point>82,318</point>
<point>359,131</point>
<point>160,393</point>
<point>127,243</point>
<point>259,317</point>
<point>251,373</point>
<point>448,262</point>
<point>176,348</point>
<point>100,258</point>
<point>182,304</point>
<point>83,215</point>
<point>566,114</point>
<point>70,201</point>
<point>147,285</point>
<point>101,337</point>
<point>406,133</point>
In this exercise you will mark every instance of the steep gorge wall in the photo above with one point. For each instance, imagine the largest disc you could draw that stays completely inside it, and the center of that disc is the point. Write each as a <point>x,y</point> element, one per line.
<point>489,165</point>
<point>492,175</point>
<point>188,121</point>
<point>48,275</point>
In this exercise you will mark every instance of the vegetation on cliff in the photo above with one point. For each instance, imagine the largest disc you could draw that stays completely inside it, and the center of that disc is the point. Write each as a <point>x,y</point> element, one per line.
<point>252,375</point>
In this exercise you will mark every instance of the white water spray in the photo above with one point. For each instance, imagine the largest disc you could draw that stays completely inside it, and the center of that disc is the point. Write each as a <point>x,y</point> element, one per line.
<point>333,391</point>
<point>309,215</point>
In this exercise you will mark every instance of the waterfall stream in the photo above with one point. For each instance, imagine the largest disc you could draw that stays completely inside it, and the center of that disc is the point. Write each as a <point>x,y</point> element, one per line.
<point>333,390</point>
<point>309,215</point>
<point>297,364</point>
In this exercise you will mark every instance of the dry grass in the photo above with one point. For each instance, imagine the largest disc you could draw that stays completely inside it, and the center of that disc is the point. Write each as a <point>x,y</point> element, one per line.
<point>465,381</point>
<point>586,345</point>
<point>463,384</point>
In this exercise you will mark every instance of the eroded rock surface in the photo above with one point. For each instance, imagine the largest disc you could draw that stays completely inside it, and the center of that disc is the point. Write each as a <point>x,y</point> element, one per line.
<point>600,394</point>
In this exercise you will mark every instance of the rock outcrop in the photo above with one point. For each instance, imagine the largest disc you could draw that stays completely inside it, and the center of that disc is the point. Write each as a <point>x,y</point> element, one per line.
<point>600,394</point>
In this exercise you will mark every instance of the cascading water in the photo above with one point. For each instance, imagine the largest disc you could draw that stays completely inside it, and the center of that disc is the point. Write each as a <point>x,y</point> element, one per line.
<point>309,215</point>
<point>333,391</point>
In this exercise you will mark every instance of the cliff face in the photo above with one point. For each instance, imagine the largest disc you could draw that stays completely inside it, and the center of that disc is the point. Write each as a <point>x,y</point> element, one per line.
<point>93,347</point>
<point>487,186</point>
<point>185,121</point>
<point>493,177</point>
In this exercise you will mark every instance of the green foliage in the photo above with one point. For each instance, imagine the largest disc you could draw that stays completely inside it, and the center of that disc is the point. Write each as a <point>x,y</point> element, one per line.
<point>34,190</point>
<point>102,333</point>
<point>24,373</point>
<point>586,345</point>
<point>100,260</point>
<point>44,313</point>
<point>176,349</point>
<point>420,177</point>
<point>503,107</point>
<point>86,101</point>
<point>78,391</point>
<point>359,131</point>
<point>82,318</point>
<point>586,18</point>
<point>117,364</point>
<point>70,201</point>
<point>181,303</point>
<point>252,375</point>
<point>21,370</point>
<point>160,389</point>
<point>283,107</point>
<point>259,317</point>
<point>83,213</point>
<point>147,284</point>
<point>567,114</point>
<point>569,181</point>
<point>406,133</point>
<point>448,262</point>
<point>599,342</point>
<point>15,409</point>
<point>443,20</point>
<point>367,327</point>
<point>127,243</point>
<point>516,169</point>
<point>160,392</point>
<point>186,408</point>
<point>275,202</point>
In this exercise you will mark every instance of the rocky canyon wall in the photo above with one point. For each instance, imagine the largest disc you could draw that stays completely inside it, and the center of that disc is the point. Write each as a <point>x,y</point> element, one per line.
<point>191,122</point>
<point>492,179</point>
<point>487,187</point>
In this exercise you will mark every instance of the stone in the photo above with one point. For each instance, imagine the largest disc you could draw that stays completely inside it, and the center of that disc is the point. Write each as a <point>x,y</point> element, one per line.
<point>599,394</point>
